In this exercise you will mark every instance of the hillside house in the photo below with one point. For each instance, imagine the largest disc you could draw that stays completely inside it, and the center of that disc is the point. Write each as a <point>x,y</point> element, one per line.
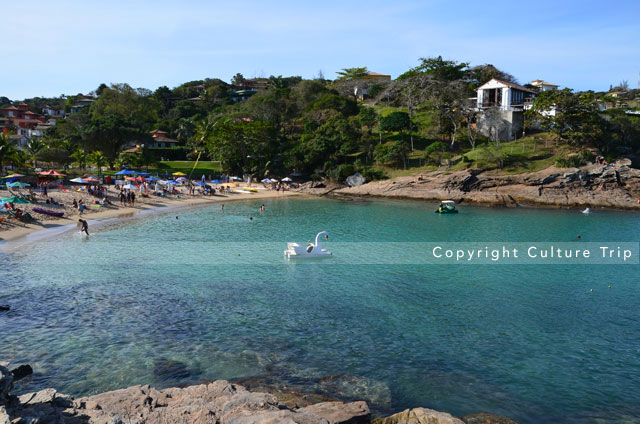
<point>160,139</point>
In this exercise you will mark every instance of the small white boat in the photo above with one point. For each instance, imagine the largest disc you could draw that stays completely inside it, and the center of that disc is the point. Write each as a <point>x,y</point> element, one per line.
<point>295,250</point>
<point>586,211</point>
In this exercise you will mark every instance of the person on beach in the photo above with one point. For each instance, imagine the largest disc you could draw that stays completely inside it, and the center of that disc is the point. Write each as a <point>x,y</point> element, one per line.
<point>222,207</point>
<point>84,227</point>
<point>80,207</point>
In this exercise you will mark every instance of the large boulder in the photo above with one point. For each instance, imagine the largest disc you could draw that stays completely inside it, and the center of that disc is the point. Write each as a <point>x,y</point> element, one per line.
<point>6,384</point>
<point>355,180</point>
<point>340,412</point>
<point>419,416</point>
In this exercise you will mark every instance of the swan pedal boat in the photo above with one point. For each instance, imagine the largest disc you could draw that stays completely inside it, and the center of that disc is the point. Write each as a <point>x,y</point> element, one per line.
<point>295,250</point>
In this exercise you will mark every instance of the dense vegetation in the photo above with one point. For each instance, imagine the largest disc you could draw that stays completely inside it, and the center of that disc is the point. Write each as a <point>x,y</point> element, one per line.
<point>320,128</point>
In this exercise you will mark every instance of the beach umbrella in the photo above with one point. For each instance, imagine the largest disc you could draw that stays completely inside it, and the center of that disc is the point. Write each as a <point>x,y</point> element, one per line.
<point>91,180</point>
<point>129,187</point>
<point>14,199</point>
<point>179,174</point>
<point>215,182</point>
<point>143,174</point>
<point>52,173</point>
<point>200,184</point>
<point>182,179</point>
<point>236,178</point>
<point>286,179</point>
<point>18,184</point>
<point>79,181</point>
<point>13,176</point>
<point>170,182</point>
<point>266,180</point>
<point>153,179</point>
<point>126,172</point>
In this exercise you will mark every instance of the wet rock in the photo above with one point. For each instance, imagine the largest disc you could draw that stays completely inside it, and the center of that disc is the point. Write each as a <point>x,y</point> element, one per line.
<point>419,416</point>
<point>5,308</point>
<point>21,372</point>
<point>487,418</point>
<point>355,180</point>
<point>355,388</point>
<point>340,412</point>
<point>6,384</point>
<point>171,370</point>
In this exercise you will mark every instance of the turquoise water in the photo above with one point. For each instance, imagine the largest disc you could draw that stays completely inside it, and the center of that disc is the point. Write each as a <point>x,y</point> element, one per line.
<point>171,301</point>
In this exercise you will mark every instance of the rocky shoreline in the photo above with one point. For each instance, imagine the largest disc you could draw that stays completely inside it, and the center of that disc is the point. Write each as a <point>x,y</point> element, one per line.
<point>216,402</point>
<point>615,186</point>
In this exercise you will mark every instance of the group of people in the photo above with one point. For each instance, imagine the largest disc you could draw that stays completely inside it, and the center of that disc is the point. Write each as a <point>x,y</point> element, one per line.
<point>127,198</point>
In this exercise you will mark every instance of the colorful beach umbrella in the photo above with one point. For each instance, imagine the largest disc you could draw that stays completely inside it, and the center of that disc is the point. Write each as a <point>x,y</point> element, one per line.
<point>14,199</point>
<point>79,181</point>
<point>18,184</point>
<point>52,173</point>
<point>14,176</point>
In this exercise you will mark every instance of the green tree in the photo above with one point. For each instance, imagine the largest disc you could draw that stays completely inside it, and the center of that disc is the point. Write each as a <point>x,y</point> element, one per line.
<point>434,147</point>
<point>98,159</point>
<point>34,146</point>
<point>349,74</point>
<point>396,121</point>
<point>7,151</point>
<point>80,157</point>
<point>576,119</point>
<point>440,69</point>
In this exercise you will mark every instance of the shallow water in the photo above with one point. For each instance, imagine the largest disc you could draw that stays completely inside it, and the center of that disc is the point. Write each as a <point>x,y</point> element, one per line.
<point>207,296</point>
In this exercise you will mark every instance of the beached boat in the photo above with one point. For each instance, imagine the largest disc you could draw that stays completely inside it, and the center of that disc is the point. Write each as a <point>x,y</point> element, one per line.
<point>295,250</point>
<point>447,206</point>
<point>58,214</point>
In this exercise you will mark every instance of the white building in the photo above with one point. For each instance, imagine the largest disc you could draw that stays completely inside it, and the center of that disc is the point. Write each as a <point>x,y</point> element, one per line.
<point>544,86</point>
<point>503,95</point>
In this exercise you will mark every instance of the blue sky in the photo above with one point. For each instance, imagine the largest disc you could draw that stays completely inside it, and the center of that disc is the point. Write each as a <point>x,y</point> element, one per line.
<point>65,47</point>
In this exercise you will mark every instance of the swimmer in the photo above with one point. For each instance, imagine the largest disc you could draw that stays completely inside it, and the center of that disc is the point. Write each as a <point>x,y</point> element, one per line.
<point>84,226</point>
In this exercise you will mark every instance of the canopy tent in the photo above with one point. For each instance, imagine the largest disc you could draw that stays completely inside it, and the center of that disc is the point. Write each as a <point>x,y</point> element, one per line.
<point>52,173</point>
<point>126,172</point>
<point>14,199</point>
<point>79,181</point>
<point>18,184</point>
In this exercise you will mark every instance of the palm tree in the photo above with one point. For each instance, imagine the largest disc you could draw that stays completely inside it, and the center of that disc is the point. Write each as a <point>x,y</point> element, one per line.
<point>98,159</point>
<point>81,158</point>
<point>34,146</point>
<point>7,151</point>
<point>204,130</point>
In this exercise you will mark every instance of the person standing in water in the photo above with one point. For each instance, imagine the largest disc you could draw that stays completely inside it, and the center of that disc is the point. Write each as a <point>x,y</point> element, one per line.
<point>84,227</point>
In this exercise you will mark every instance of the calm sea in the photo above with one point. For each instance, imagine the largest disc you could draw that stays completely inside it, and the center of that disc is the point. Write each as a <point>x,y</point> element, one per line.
<point>208,295</point>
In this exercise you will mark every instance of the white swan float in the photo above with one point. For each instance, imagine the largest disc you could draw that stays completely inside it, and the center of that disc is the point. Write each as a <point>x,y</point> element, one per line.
<point>587,210</point>
<point>295,250</point>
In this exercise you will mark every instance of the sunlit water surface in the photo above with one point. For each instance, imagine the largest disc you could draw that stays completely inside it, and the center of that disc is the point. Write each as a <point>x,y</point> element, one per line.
<point>169,301</point>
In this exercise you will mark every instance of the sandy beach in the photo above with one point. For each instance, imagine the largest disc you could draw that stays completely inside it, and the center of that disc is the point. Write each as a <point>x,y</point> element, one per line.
<point>13,230</point>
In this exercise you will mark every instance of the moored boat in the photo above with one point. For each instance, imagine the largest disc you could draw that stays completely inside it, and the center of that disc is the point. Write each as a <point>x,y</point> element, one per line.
<point>447,206</point>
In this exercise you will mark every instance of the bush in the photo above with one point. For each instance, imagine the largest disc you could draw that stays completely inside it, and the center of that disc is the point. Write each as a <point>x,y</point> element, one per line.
<point>575,161</point>
<point>371,174</point>
<point>341,172</point>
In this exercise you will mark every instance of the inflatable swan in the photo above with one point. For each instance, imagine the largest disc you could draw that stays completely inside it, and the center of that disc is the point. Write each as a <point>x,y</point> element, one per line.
<point>295,250</point>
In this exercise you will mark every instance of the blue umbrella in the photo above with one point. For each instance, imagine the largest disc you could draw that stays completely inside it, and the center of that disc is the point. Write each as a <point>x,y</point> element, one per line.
<point>143,174</point>
<point>200,184</point>
<point>126,172</point>
<point>172,182</point>
<point>216,181</point>
<point>153,179</point>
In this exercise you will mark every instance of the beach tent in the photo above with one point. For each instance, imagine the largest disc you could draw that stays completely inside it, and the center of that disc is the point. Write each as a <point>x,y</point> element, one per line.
<point>18,184</point>
<point>79,181</point>
<point>14,199</point>
<point>52,173</point>
<point>126,172</point>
